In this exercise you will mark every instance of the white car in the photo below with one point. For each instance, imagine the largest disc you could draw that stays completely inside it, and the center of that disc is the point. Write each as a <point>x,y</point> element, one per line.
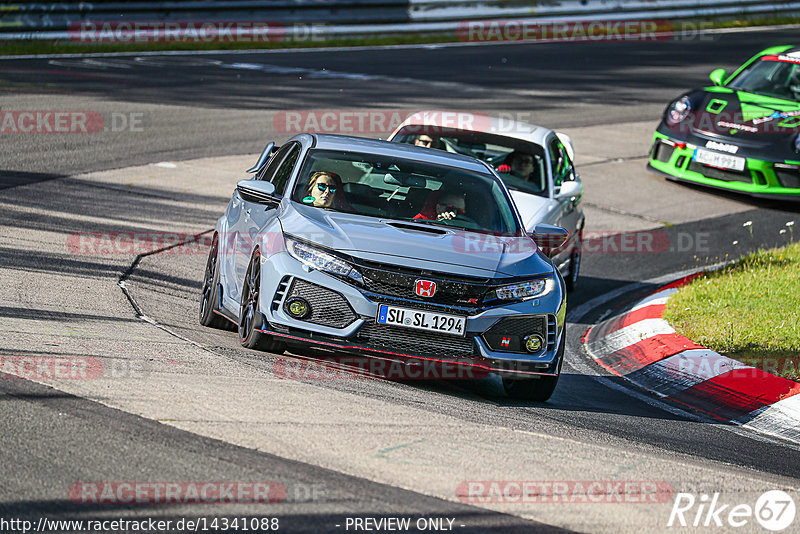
<point>534,162</point>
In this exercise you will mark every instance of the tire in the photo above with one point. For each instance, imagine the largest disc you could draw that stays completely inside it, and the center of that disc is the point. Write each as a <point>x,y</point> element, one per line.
<point>571,280</point>
<point>535,389</point>
<point>250,318</point>
<point>209,295</point>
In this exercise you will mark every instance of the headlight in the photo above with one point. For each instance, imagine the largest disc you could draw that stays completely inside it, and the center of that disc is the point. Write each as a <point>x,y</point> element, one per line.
<point>526,290</point>
<point>320,260</point>
<point>679,110</point>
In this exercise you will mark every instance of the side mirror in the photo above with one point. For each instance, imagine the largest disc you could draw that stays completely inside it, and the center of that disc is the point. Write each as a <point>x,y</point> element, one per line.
<point>718,76</point>
<point>257,191</point>
<point>263,159</point>
<point>570,189</point>
<point>549,236</point>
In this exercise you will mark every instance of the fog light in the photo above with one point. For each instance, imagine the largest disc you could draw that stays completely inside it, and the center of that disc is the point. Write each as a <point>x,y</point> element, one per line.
<point>533,343</point>
<point>298,307</point>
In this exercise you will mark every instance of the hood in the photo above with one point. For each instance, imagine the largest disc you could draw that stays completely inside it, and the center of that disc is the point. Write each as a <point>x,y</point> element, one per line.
<point>532,208</point>
<point>413,245</point>
<point>741,116</point>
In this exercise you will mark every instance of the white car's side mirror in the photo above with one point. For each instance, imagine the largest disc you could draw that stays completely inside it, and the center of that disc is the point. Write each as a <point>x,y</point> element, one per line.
<point>570,189</point>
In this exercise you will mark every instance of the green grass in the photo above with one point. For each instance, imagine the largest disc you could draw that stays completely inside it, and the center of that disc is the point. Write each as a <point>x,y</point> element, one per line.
<point>71,47</point>
<point>749,311</point>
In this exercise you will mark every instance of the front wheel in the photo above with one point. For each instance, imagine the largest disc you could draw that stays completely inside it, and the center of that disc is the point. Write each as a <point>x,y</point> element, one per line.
<point>535,389</point>
<point>209,295</point>
<point>250,318</point>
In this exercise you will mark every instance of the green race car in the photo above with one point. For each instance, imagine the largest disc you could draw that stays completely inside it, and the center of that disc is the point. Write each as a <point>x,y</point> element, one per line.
<point>742,133</point>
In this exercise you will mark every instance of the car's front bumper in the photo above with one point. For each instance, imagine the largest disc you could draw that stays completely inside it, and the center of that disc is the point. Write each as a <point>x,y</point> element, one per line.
<point>343,320</point>
<point>762,178</point>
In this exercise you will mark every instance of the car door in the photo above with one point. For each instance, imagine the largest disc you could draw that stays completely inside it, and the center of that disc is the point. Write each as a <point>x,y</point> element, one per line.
<point>236,246</point>
<point>257,217</point>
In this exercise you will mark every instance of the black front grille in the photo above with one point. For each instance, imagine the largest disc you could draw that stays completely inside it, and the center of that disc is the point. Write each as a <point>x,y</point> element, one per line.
<point>662,151</point>
<point>401,283</point>
<point>727,175</point>
<point>414,342</point>
<point>508,334</point>
<point>788,177</point>
<point>328,308</point>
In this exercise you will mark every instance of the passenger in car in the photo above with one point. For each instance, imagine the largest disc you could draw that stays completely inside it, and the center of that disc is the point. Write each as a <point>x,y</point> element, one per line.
<point>442,205</point>
<point>325,191</point>
<point>519,164</point>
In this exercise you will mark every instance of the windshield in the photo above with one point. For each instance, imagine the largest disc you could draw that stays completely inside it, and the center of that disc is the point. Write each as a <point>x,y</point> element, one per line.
<point>772,76</point>
<point>425,193</point>
<point>521,164</point>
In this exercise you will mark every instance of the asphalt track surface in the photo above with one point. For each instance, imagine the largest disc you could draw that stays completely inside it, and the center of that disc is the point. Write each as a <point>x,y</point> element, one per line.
<point>210,105</point>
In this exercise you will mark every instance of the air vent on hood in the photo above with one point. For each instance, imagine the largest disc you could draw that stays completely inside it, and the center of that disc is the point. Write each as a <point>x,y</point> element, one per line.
<point>418,228</point>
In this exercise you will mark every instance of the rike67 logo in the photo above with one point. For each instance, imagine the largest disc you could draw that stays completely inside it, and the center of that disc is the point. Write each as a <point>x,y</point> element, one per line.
<point>774,510</point>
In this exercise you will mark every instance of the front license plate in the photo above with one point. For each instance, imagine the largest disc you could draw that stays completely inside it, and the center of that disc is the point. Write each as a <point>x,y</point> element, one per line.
<point>422,320</point>
<point>716,159</point>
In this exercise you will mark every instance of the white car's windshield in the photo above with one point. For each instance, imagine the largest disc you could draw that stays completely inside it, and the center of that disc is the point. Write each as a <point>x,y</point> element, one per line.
<point>425,193</point>
<point>771,77</point>
<point>520,164</point>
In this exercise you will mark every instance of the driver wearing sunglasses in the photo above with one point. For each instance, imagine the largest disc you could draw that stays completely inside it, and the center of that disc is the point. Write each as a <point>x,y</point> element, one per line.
<point>322,188</point>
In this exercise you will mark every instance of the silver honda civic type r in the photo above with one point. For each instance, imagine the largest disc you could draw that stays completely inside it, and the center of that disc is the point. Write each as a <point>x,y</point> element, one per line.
<point>384,250</point>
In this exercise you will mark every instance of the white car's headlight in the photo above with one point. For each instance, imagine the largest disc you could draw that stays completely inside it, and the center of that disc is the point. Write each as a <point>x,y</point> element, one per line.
<point>679,110</point>
<point>526,290</point>
<point>319,259</point>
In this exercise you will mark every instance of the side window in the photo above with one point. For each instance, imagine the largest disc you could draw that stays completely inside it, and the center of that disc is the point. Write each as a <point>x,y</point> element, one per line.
<point>285,169</point>
<point>276,159</point>
<point>560,163</point>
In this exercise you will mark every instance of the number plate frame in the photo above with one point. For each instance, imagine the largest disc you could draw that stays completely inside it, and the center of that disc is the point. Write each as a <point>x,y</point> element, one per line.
<point>718,159</point>
<point>411,316</point>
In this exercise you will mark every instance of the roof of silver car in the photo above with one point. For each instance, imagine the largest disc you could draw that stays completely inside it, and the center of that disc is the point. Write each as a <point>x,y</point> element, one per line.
<point>399,150</point>
<point>479,122</point>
